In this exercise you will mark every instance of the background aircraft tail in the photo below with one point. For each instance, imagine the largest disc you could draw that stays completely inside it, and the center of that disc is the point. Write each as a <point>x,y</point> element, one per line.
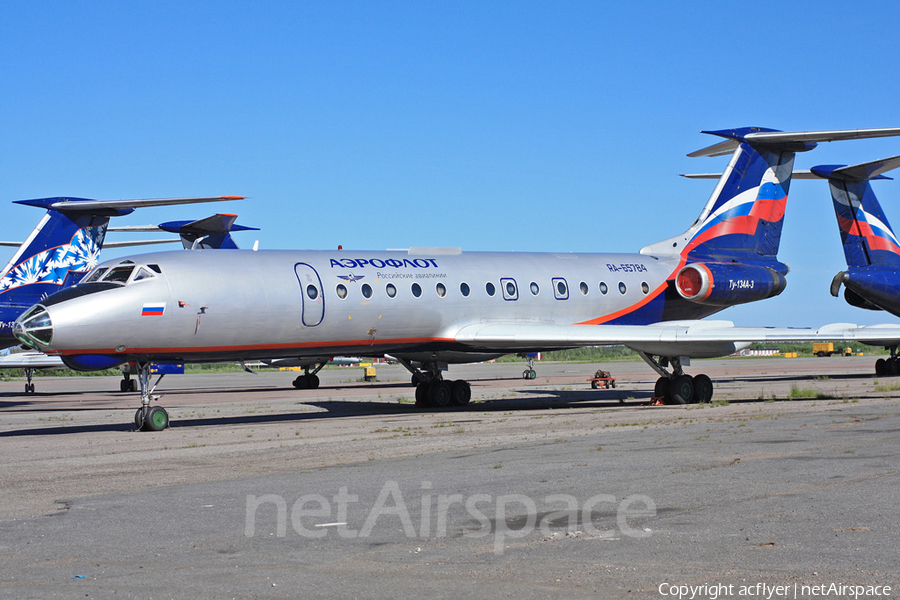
<point>866,234</point>
<point>60,250</point>
<point>210,233</point>
<point>63,247</point>
<point>729,253</point>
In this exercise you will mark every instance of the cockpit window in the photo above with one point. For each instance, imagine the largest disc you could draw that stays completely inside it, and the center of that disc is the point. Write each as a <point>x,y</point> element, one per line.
<point>143,273</point>
<point>155,268</point>
<point>95,275</point>
<point>120,273</point>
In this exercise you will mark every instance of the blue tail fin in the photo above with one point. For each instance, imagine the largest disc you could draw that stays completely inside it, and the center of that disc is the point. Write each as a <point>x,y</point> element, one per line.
<point>62,248</point>
<point>743,217</point>
<point>866,234</point>
<point>742,220</point>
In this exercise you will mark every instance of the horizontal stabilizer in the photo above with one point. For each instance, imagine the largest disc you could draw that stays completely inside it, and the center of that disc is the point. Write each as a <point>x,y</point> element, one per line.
<point>797,141</point>
<point>130,243</point>
<point>85,205</point>
<point>801,174</point>
<point>218,223</point>
<point>860,172</point>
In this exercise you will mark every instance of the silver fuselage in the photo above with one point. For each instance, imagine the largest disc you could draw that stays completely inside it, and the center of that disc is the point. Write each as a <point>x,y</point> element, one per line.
<point>241,304</point>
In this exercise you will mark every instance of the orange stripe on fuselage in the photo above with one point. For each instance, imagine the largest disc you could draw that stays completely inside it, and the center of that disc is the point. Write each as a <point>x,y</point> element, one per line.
<point>205,349</point>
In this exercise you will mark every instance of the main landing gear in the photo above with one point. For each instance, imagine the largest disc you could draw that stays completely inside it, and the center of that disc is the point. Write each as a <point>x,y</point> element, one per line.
<point>309,381</point>
<point>29,387</point>
<point>128,384</point>
<point>885,367</point>
<point>432,390</point>
<point>529,373</point>
<point>677,387</point>
<point>149,418</point>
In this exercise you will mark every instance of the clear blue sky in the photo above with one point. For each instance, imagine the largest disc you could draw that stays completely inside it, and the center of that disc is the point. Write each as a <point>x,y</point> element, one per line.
<point>558,126</point>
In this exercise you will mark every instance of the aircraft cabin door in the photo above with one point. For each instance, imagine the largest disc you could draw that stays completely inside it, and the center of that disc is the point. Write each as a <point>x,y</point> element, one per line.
<point>311,294</point>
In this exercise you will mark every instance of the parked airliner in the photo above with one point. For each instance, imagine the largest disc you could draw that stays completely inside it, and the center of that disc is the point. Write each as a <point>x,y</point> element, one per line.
<point>429,307</point>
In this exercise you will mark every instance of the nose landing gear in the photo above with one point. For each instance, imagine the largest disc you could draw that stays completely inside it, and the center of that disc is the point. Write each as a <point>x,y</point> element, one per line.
<point>149,418</point>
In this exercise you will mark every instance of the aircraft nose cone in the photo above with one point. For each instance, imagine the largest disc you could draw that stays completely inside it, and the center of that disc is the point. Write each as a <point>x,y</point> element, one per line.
<point>34,328</point>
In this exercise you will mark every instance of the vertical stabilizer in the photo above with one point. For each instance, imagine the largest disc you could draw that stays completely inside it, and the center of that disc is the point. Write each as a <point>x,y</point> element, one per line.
<point>866,234</point>
<point>742,220</point>
<point>64,244</point>
<point>743,217</point>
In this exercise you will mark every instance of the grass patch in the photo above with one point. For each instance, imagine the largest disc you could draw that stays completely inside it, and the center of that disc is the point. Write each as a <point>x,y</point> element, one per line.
<point>798,392</point>
<point>889,387</point>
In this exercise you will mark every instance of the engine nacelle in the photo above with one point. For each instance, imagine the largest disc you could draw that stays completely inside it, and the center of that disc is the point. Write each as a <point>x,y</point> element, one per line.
<point>91,362</point>
<point>727,284</point>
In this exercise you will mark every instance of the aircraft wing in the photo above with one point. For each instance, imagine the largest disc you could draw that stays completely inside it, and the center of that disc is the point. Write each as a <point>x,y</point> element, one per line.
<point>31,360</point>
<point>697,339</point>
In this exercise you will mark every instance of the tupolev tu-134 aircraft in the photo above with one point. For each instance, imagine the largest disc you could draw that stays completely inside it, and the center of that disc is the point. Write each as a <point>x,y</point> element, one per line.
<point>429,307</point>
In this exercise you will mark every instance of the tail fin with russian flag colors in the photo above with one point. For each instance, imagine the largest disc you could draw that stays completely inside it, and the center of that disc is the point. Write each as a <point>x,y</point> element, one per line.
<point>735,240</point>
<point>872,251</point>
<point>742,219</point>
<point>866,234</point>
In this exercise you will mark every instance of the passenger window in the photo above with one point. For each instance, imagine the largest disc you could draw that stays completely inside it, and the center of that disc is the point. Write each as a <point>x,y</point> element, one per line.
<point>584,288</point>
<point>441,290</point>
<point>366,290</point>
<point>622,288</point>
<point>535,288</point>
<point>391,290</point>
<point>464,289</point>
<point>341,290</point>
<point>560,289</point>
<point>603,288</point>
<point>416,290</point>
<point>645,288</point>
<point>490,289</point>
<point>509,288</point>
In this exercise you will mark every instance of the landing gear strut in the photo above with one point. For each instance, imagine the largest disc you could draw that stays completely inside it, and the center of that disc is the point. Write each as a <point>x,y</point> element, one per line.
<point>29,387</point>
<point>149,418</point>
<point>432,390</point>
<point>127,384</point>
<point>529,373</point>
<point>889,366</point>
<point>677,387</point>
<point>309,381</point>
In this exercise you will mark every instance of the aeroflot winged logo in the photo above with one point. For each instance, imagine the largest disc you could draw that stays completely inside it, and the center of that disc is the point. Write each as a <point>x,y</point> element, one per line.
<point>351,277</point>
<point>378,263</point>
